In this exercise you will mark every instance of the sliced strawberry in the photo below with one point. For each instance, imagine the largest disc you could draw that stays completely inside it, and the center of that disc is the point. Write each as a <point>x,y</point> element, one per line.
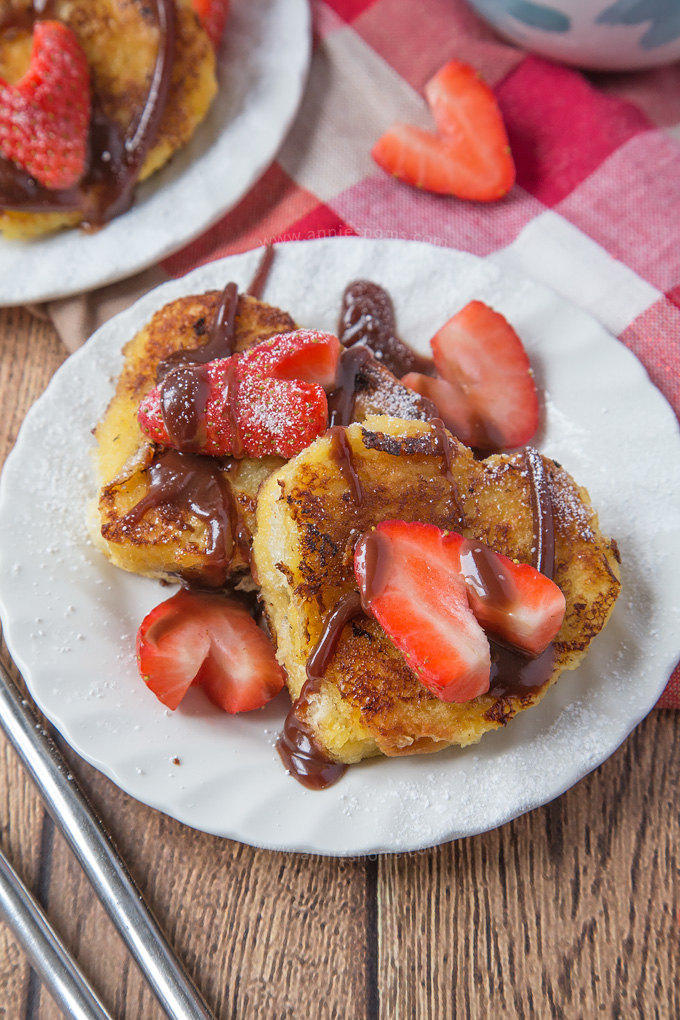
<point>268,401</point>
<point>210,641</point>
<point>213,17</point>
<point>410,581</point>
<point>513,601</point>
<point>306,354</point>
<point>469,157</point>
<point>450,401</point>
<point>479,354</point>
<point>45,117</point>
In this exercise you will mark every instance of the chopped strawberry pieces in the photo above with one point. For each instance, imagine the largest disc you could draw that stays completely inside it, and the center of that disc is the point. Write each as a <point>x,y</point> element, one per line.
<point>490,401</point>
<point>469,157</point>
<point>213,17</point>
<point>208,641</point>
<point>513,601</point>
<point>268,401</point>
<point>410,581</point>
<point>45,117</point>
<point>435,594</point>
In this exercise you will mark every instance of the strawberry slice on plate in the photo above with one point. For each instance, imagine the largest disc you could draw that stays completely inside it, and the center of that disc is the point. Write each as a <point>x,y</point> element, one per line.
<point>513,601</point>
<point>491,401</point>
<point>470,155</point>
<point>45,116</point>
<point>212,15</point>
<point>270,400</point>
<point>410,581</point>
<point>212,642</point>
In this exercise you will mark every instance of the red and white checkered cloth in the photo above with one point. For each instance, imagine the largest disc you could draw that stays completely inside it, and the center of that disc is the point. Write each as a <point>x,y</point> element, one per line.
<point>595,213</point>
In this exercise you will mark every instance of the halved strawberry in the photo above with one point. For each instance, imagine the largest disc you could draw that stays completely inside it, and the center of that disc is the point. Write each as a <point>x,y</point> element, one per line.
<point>452,404</point>
<point>306,354</point>
<point>469,157</point>
<point>410,581</point>
<point>513,601</point>
<point>210,641</point>
<point>482,358</point>
<point>45,116</point>
<point>213,17</point>
<point>268,401</point>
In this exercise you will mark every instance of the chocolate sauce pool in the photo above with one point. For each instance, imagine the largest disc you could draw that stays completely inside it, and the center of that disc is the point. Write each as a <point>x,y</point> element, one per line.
<point>114,160</point>
<point>367,317</point>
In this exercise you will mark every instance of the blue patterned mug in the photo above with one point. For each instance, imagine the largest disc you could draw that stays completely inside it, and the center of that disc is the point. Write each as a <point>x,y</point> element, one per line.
<point>604,35</point>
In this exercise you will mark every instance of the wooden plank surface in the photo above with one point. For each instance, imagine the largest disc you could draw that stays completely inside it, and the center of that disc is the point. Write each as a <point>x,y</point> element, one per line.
<point>569,912</point>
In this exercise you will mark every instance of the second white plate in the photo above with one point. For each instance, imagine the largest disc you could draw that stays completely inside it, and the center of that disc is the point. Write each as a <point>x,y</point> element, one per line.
<point>262,72</point>
<point>70,618</point>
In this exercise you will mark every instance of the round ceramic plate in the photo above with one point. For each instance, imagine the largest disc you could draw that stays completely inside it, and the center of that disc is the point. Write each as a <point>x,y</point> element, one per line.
<point>70,617</point>
<point>258,97</point>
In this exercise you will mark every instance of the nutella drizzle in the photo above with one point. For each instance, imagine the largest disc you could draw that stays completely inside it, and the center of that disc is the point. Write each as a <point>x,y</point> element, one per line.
<point>183,398</point>
<point>114,160</point>
<point>442,448</point>
<point>367,317</point>
<point>299,750</point>
<point>347,607</point>
<point>341,400</point>
<point>221,337</point>
<point>341,452</point>
<point>196,484</point>
<point>512,672</point>
<point>257,284</point>
<point>541,505</point>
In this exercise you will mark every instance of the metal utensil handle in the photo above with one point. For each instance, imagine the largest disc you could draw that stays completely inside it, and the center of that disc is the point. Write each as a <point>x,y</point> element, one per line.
<point>98,857</point>
<point>69,989</point>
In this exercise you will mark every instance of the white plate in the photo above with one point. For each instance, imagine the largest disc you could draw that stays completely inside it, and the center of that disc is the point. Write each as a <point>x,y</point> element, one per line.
<point>262,71</point>
<point>70,617</point>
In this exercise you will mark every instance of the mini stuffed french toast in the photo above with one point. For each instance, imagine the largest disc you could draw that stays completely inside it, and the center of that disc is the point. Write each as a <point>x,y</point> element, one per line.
<point>172,536</point>
<point>96,95</point>
<point>363,696</point>
<point>174,514</point>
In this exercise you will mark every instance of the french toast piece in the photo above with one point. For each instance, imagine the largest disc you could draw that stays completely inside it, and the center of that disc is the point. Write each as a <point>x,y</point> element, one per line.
<point>170,541</point>
<point>378,391</point>
<point>369,701</point>
<point>120,41</point>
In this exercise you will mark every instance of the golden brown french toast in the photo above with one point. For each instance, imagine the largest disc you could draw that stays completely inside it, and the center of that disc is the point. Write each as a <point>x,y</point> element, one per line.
<point>170,540</point>
<point>120,41</point>
<point>308,521</point>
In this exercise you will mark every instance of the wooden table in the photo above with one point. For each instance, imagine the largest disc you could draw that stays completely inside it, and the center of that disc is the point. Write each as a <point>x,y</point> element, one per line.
<point>570,912</point>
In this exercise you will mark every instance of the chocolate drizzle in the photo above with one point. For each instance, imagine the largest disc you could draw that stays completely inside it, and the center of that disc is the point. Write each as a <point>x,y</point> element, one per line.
<point>341,452</point>
<point>115,161</point>
<point>512,672</point>
<point>341,400</point>
<point>195,484</point>
<point>221,339</point>
<point>183,398</point>
<point>541,505</point>
<point>367,317</point>
<point>257,284</point>
<point>442,447</point>
<point>299,750</point>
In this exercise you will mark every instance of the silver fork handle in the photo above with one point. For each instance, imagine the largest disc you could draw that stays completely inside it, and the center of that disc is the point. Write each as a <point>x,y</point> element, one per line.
<point>98,857</point>
<point>47,953</point>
